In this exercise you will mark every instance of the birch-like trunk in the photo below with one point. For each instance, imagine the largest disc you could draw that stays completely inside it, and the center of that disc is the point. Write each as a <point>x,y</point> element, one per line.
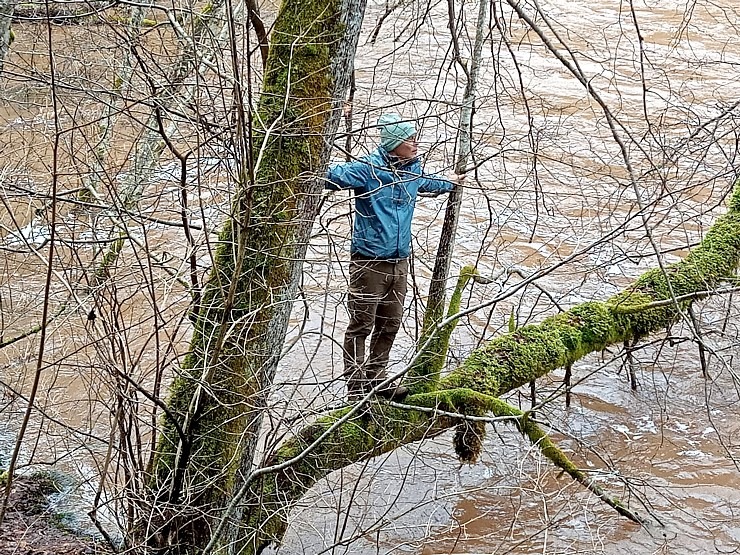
<point>198,53</point>
<point>121,87</point>
<point>6,18</point>
<point>209,35</point>
<point>424,373</point>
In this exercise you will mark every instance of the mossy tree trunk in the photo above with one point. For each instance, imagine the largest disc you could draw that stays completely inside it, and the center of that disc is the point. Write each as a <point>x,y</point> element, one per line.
<point>215,406</point>
<point>504,364</point>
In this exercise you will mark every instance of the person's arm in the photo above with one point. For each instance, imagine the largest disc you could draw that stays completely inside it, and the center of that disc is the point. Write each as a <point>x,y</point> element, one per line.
<point>347,175</point>
<point>436,185</point>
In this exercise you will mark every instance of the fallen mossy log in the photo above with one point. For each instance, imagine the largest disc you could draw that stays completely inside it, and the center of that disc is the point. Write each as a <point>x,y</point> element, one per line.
<point>357,433</point>
<point>517,358</point>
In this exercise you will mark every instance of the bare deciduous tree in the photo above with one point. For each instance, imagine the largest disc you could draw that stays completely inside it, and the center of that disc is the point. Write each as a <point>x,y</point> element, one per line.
<point>163,130</point>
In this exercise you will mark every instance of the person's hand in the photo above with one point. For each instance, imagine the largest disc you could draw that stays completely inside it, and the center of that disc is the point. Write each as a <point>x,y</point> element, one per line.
<point>347,109</point>
<point>458,179</point>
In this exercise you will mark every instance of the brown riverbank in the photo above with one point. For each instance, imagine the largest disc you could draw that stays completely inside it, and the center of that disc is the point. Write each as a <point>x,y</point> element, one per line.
<point>30,528</point>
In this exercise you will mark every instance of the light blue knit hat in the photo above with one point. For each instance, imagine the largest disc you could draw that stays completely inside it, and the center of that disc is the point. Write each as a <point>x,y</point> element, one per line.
<point>393,131</point>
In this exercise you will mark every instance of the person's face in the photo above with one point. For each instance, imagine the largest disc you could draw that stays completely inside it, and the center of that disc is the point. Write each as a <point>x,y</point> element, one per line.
<point>406,150</point>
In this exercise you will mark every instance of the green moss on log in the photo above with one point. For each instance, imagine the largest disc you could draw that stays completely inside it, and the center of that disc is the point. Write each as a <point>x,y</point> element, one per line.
<point>381,428</point>
<point>103,271</point>
<point>516,359</point>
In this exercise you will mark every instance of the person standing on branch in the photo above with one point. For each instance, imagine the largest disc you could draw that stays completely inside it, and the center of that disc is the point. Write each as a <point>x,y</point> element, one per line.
<point>385,185</point>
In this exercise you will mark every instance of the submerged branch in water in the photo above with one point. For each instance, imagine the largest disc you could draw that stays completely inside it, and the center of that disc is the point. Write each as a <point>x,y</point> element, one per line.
<point>35,329</point>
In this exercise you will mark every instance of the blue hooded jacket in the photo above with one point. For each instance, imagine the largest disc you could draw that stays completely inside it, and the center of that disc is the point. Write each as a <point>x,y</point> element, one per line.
<point>385,194</point>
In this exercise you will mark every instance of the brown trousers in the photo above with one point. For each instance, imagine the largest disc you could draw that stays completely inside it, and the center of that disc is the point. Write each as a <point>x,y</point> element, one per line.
<point>377,289</point>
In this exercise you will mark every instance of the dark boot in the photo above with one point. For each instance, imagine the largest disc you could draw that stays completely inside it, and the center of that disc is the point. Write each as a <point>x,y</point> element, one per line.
<point>393,392</point>
<point>356,390</point>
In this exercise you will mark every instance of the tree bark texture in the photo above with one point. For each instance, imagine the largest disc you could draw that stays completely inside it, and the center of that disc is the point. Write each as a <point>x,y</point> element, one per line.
<point>425,372</point>
<point>6,18</point>
<point>205,452</point>
<point>504,364</point>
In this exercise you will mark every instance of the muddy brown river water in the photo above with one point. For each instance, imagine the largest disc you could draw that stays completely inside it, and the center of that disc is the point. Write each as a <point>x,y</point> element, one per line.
<point>551,194</point>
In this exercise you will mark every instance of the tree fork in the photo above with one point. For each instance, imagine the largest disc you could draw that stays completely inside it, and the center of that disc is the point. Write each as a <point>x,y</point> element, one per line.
<point>221,391</point>
<point>436,298</point>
